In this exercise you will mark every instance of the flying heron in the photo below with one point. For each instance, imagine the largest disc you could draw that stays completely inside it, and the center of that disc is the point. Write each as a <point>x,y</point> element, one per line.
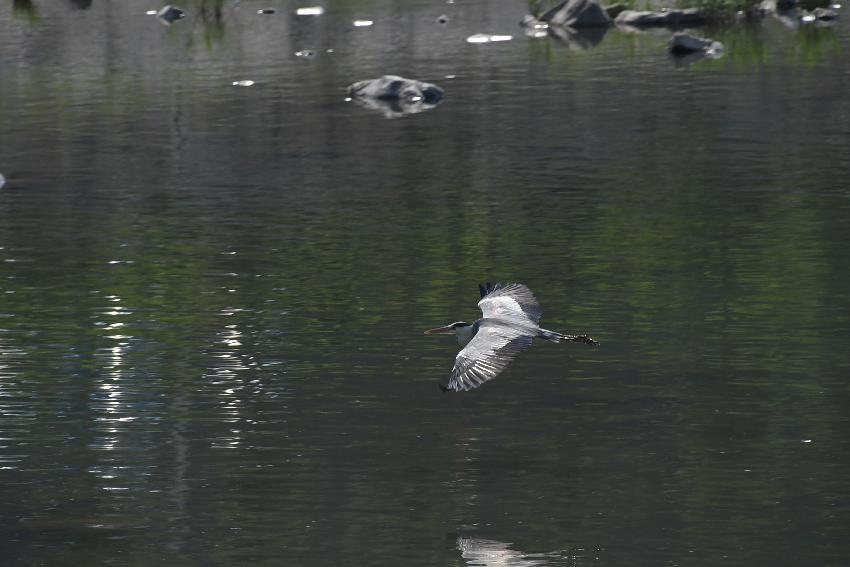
<point>510,322</point>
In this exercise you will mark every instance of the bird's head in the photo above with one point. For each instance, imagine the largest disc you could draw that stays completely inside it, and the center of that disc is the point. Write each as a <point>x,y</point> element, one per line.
<point>455,328</point>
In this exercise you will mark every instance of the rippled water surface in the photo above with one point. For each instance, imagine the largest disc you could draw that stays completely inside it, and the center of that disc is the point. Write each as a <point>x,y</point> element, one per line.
<point>212,297</point>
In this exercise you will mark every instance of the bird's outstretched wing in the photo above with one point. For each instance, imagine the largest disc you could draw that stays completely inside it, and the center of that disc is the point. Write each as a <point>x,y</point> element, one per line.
<point>486,355</point>
<point>511,301</point>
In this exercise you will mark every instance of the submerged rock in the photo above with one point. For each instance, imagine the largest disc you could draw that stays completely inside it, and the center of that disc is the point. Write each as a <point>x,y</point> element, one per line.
<point>576,14</point>
<point>396,96</point>
<point>686,43</point>
<point>690,49</point>
<point>170,14</point>
<point>669,18</point>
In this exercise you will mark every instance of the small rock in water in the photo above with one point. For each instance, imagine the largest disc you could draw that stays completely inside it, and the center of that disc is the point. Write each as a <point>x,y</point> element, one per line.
<point>266,11</point>
<point>310,11</point>
<point>244,83</point>
<point>306,53</point>
<point>395,96</point>
<point>534,27</point>
<point>170,14</point>
<point>362,23</point>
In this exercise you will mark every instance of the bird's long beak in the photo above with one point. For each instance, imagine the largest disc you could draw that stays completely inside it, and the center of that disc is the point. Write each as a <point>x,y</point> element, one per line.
<point>447,330</point>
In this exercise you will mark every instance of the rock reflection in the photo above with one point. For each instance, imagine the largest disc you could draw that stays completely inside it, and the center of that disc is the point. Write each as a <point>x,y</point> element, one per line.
<point>210,13</point>
<point>395,108</point>
<point>578,39</point>
<point>489,553</point>
<point>684,60</point>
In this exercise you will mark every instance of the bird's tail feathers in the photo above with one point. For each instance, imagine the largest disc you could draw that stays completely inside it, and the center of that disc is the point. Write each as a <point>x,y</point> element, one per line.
<point>556,337</point>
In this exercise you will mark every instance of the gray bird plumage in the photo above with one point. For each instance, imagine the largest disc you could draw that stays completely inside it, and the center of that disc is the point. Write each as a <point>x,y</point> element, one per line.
<point>510,323</point>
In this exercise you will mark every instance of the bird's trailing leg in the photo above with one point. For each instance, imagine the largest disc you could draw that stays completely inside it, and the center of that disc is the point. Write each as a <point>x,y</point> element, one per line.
<point>556,337</point>
<point>581,339</point>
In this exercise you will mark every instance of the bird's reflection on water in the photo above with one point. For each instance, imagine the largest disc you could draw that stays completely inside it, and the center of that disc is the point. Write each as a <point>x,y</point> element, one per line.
<point>489,553</point>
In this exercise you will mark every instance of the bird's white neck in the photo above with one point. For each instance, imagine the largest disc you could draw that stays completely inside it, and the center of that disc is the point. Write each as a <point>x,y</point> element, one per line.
<point>464,334</point>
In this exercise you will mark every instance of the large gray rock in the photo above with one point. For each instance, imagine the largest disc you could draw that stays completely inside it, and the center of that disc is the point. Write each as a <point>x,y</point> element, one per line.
<point>576,14</point>
<point>395,96</point>
<point>669,18</point>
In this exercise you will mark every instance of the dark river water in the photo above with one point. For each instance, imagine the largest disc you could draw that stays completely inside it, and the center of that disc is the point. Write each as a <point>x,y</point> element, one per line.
<point>212,297</point>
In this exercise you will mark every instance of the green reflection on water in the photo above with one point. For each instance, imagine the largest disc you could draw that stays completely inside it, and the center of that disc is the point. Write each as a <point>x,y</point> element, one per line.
<point>274,261</point>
